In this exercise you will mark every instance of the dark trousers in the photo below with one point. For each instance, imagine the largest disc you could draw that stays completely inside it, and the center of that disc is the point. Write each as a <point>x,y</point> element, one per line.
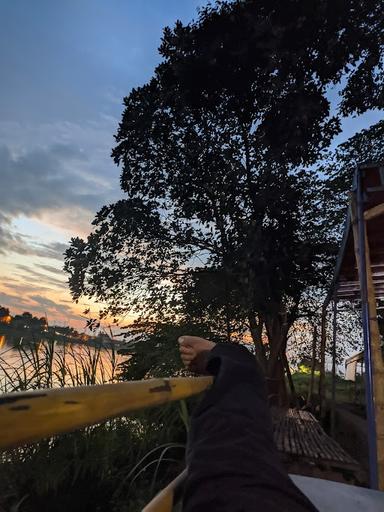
<point>233,464</point>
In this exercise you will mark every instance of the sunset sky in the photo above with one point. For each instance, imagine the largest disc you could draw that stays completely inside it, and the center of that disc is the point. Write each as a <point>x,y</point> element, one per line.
<point>66,65</point>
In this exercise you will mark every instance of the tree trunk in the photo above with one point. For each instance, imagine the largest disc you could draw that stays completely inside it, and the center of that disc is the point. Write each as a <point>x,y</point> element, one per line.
<point>290,380</point>
<point>277,330</point>
<point>227,310</point>
<point>256,328</point>
<point>228,325</point>
<point>277,388</point>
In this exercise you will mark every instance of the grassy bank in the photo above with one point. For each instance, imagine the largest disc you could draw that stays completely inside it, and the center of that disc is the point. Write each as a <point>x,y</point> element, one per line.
<point>346,391</point>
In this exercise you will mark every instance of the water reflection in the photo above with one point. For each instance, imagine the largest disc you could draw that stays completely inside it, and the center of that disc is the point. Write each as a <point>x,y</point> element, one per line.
<point>51,364</point>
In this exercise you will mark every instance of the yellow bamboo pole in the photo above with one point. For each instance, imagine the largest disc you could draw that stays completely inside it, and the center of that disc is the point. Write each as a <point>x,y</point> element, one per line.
<point>165,500</point>
<point>30,416</point>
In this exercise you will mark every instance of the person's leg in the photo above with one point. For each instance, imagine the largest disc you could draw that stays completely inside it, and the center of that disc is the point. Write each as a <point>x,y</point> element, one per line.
<point>232,461</point>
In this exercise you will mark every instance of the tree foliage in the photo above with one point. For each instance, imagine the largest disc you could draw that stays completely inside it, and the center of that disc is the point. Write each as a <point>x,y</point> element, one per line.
<point>217,154</point>
<point>153,349</point>
<point>366,146</point>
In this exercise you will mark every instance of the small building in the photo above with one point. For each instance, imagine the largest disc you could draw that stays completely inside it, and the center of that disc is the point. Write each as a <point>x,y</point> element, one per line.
<point>351,365</point>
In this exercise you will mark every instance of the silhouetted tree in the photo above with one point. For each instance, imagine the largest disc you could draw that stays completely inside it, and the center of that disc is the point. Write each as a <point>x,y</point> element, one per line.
<point>340,165</point>
<point>4,311</point>
<point>216,152</point>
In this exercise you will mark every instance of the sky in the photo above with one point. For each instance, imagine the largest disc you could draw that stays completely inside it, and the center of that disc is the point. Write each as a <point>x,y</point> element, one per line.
<point>66,66</point>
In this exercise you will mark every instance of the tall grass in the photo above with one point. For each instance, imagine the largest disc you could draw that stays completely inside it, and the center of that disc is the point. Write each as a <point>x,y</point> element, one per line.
<point>114,466</point>
<point>45,365</point>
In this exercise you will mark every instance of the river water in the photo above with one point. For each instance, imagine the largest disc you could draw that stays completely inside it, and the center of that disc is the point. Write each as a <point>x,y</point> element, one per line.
<point>35,366</point>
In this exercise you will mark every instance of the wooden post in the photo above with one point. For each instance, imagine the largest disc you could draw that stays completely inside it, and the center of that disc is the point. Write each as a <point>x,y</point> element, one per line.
<point>361,401</point>
<point>377,367</point>
<point>293,397</point>
<point>333,401</point>
<point>313,364</point>
<point>374,370</point>
<point>323,341</point>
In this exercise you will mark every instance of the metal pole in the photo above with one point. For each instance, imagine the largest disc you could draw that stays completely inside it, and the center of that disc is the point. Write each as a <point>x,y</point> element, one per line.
<point>333,402</point>
<point>369,399</point>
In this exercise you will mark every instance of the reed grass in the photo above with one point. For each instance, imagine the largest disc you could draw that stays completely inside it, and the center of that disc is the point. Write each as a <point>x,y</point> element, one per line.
<point>114,466</point>
<point>46,365</point>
